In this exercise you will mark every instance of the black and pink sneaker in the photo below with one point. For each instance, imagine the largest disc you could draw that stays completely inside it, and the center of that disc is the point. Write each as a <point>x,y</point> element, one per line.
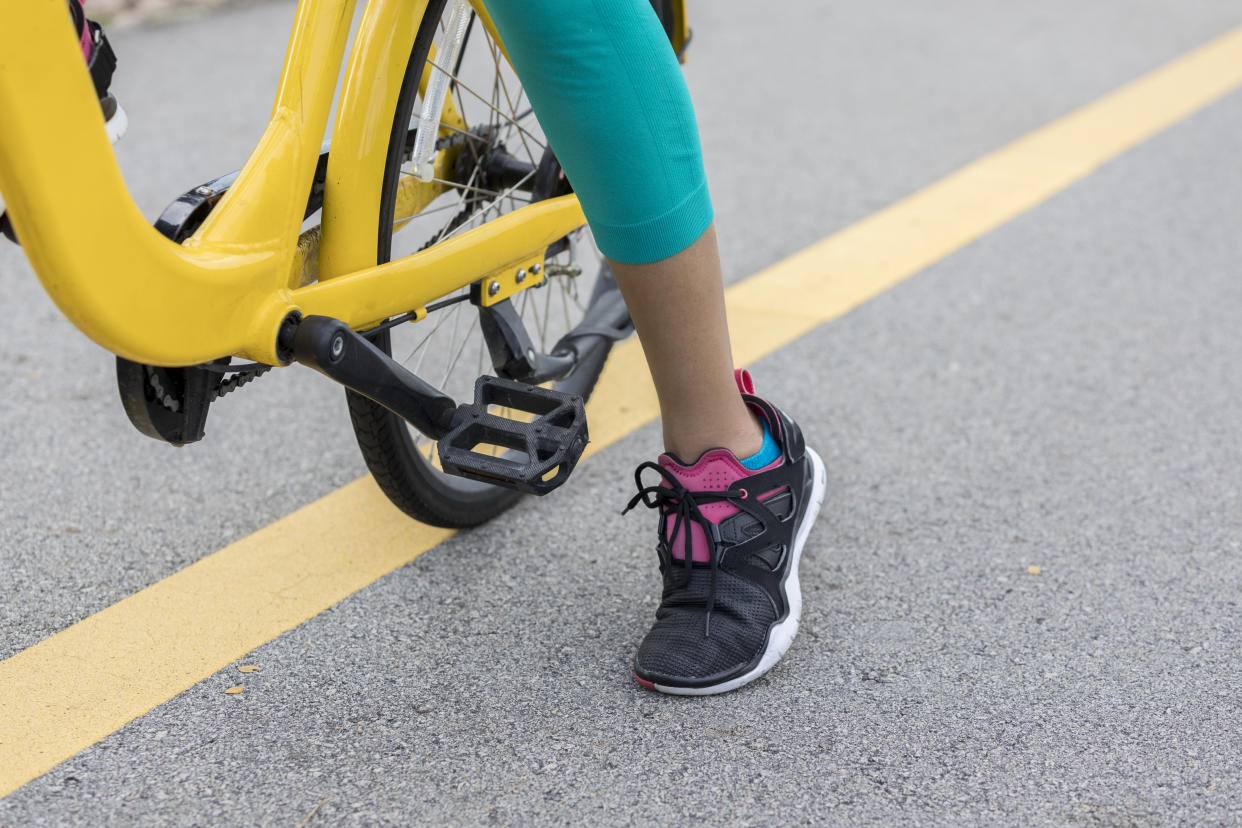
<point>730,540</point>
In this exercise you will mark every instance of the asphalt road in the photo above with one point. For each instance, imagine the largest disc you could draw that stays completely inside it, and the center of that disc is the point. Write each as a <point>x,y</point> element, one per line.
<point>1063,394</point>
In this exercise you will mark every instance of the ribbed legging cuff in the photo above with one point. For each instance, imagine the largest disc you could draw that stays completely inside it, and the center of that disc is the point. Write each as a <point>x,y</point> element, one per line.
<point>658,238</point>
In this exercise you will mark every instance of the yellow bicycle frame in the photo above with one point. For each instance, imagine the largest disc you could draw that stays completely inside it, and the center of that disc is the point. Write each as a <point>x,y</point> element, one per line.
<point>227,290</point>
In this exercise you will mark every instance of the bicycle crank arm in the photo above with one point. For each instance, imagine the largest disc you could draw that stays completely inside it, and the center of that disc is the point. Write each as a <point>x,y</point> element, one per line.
<point>543,442</point>
<point>338,352</point>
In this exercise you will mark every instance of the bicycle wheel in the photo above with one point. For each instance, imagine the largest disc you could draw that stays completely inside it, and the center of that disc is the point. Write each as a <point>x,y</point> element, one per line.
<point>502,162</point>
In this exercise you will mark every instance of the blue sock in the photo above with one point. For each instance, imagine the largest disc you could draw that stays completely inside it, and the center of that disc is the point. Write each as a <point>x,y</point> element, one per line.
<point>766,454</point>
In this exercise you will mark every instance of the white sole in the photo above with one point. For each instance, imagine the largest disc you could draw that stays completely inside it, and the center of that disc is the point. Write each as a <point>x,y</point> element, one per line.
<point>782,634</point>
<point>117,125</point>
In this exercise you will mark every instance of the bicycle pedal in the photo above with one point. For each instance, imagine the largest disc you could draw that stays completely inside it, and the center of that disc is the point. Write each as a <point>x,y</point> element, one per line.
<point>539,453</point>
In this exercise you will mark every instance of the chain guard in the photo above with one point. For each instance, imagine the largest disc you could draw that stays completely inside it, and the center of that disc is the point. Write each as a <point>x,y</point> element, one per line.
<point>168,404</point>
<point>171,404</point>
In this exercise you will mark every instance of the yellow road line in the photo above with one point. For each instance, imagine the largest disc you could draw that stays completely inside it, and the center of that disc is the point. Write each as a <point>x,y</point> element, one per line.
<point>76,687</point>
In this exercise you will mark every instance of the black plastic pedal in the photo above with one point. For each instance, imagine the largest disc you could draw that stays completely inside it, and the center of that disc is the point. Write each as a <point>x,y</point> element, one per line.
<point>541,453</point>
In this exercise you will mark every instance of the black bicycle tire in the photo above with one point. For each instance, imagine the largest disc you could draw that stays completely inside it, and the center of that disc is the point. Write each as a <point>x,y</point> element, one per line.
<point>399,469</point>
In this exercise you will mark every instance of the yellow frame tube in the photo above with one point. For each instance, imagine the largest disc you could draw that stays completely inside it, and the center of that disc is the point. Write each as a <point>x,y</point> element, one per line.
<point>115,277</point>
<point>351,198</point>
<point>229,287</point>
<point>366,297</point>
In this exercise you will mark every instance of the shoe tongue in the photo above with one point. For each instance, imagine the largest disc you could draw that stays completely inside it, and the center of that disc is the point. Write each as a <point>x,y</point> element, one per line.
<point>715,471</point>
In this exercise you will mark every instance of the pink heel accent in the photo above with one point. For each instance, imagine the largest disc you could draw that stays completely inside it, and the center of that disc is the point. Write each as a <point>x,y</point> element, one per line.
<point>744,383</point>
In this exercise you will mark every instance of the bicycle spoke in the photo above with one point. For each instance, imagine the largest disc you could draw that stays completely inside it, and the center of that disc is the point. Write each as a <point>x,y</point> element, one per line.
<point>423,341</point>
<point>492,193</point>
<point>483,216</point>
<point>495,98</point>
<point>422,213</point>
<point>513,118</point>
<point>486,103</point>
<point>452,339</point>
<point>463,132</point>
<point>448,372</point>
<point>565,305</point>
<point>547,304</point>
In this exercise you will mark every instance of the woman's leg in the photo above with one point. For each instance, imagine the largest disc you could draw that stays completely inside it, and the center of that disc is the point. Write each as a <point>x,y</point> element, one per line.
<point>738,490</point>
<point>611,98</point>
<point>677,305</point>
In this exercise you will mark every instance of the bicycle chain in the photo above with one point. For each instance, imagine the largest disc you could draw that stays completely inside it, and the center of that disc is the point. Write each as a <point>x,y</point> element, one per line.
<point>230,384</point>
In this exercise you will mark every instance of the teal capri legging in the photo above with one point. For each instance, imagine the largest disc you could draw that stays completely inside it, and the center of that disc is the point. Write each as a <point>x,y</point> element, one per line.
<point>613,104</point>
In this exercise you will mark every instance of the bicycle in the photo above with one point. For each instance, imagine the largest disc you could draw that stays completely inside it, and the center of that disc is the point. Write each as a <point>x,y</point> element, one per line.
<point>338,255</point>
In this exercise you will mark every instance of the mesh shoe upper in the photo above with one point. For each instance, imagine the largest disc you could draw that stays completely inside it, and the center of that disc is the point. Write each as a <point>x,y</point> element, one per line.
<point>721,601</point>
<point>679,646</point>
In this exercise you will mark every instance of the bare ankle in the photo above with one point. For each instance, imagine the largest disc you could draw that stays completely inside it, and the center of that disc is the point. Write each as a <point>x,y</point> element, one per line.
<point>742,436</point>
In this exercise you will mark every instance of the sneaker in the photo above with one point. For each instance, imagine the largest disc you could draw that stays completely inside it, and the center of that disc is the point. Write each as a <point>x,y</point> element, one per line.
<point>730,539</point>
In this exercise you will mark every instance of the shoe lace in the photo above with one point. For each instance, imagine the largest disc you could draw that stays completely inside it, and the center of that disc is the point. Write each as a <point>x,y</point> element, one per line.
<point>680,504</point>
